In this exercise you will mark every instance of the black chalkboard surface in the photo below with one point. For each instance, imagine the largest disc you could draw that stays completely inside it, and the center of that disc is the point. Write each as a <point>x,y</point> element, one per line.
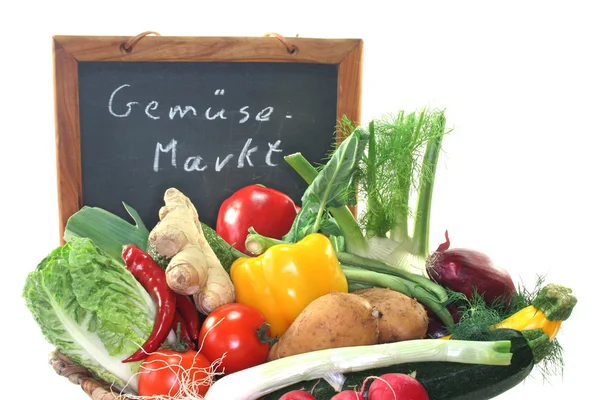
<point>207,129</point>
<point>207,116</point>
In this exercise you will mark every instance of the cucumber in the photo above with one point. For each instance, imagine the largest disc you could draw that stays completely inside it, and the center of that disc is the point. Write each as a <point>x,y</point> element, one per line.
<point>225,252</point>
<point>161,260</point>
<point>443,380</point>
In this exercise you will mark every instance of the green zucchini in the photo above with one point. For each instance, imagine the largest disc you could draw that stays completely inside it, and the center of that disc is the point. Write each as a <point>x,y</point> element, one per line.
<point>446,380</point>
<point>225,252</point>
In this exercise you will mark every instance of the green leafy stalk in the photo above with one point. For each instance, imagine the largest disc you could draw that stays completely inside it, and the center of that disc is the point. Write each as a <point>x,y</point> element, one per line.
<point>342,215</point>
<point>426,180</point>
<point>329,188</point>
<point>373,201</point>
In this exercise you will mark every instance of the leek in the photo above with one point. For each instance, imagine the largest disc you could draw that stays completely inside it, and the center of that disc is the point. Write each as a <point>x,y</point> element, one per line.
<point>255,382</point>
<point>108,231</point>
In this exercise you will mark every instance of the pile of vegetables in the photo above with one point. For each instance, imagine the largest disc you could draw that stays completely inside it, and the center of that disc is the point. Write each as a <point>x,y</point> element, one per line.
<point>283,301</point>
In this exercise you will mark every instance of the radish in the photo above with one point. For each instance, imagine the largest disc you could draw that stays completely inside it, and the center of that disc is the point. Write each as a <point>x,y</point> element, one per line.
<point>397,387</point>
<point>348,395</point>
<point>298,395</point>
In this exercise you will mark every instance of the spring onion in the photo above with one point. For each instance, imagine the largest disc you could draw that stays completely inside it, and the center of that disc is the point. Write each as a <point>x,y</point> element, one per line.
<point>252,383</point>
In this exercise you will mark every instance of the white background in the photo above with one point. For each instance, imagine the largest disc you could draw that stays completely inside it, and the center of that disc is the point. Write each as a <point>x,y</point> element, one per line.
<point>518,179</point>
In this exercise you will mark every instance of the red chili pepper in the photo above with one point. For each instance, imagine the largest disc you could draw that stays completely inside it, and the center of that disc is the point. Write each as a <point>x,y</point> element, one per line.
<point>179,326</point>
<point>153,279</point>
<point>269,211</point>
<point>189,312</point>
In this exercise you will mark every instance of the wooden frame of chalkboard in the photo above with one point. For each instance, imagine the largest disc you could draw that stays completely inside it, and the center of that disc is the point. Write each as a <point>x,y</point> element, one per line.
<point>70,52</point>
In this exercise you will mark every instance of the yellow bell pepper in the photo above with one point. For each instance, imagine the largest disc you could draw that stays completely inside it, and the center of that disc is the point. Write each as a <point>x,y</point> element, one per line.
<point>283,280</point>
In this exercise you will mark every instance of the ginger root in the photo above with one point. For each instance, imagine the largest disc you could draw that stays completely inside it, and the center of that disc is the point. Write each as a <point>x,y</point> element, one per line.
<point>194,269</point>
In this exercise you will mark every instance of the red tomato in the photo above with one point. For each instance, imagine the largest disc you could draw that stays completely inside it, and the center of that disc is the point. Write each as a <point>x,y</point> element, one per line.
<point>163,372</point>
<point>236,332</point>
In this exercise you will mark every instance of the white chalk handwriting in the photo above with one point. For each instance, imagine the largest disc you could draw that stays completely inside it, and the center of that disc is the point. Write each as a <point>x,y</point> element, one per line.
<point>120,107</point>
<point>198,163</point>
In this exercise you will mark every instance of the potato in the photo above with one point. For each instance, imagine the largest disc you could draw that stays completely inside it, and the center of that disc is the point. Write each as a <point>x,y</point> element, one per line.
<point>332,320</point>
<point>402,318</point>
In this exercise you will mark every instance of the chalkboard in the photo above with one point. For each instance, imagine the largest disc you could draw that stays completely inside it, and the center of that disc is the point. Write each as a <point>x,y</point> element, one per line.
<point>205,115</point>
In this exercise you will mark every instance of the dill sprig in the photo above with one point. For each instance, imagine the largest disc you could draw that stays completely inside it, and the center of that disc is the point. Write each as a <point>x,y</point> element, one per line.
<point>477,316</point>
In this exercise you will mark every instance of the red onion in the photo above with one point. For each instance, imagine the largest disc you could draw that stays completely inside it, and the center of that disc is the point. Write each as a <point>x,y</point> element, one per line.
<point>464,270</point>
<point>436,328</point>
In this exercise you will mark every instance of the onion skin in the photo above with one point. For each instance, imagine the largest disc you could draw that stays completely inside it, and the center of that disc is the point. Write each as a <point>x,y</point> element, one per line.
<point>465,270</point>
